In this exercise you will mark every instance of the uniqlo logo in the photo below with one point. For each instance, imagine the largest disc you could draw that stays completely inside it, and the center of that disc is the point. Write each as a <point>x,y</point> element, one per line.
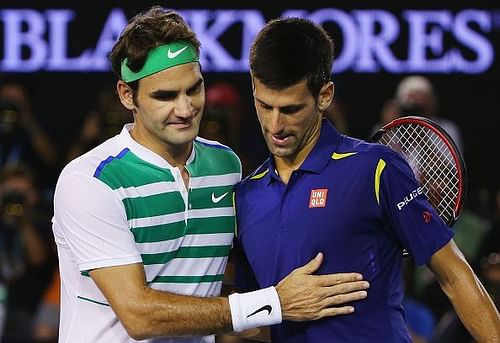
<point>318,198</point>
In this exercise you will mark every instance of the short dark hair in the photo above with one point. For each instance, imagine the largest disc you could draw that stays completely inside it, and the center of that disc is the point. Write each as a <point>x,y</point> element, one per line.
<point>287,51</point>
<point>146,31</point>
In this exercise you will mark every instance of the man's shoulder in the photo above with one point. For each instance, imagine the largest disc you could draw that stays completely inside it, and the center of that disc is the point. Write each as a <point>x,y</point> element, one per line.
<point>362,151</point>
<point>211,146</point>
<point>90,162</point>
<point>213,153</point>
<point>253,179</point>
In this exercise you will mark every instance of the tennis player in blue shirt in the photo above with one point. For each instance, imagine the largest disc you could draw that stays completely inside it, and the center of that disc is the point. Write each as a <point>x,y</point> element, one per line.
<point>357,203</point>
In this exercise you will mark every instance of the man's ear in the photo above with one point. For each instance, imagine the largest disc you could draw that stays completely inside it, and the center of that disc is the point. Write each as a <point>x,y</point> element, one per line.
<point>325,96</point>
<point>126,95</point>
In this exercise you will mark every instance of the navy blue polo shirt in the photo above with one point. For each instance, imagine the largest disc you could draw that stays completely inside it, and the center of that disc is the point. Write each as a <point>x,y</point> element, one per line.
<point>358,203</point>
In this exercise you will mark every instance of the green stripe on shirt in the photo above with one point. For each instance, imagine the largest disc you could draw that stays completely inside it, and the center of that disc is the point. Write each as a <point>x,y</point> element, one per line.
<point>187,279</point>
<point>187,252</point>
<point>154,205</point>
<point>131,171</point>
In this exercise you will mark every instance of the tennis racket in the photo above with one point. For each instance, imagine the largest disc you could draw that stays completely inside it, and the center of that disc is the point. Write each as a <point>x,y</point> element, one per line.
<point>434,158</point>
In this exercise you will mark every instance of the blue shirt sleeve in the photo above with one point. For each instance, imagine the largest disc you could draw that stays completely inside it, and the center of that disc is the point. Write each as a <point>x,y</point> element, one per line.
<point>408,212</point>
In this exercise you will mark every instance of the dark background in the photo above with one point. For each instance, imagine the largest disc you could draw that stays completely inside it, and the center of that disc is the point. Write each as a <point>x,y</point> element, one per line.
<point>62,99</point>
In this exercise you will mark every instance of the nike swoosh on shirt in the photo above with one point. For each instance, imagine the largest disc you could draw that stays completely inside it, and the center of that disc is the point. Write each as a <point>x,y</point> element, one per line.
<point>219,198</point>
<point>174,54</point>
<point>338,156</point>
<point>267,308</point>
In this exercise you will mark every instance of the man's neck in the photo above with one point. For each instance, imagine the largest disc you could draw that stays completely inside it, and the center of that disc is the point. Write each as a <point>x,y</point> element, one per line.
<point>285,166</point>
<point>175,155</point>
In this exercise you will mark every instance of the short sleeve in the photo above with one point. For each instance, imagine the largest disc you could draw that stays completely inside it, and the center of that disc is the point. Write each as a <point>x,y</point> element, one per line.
<point>412,218</point>
<point>92,222</point>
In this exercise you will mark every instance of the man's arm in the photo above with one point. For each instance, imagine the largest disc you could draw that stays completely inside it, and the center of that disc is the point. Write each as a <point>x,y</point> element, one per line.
<point>146,313</point>
<point>468,296</point>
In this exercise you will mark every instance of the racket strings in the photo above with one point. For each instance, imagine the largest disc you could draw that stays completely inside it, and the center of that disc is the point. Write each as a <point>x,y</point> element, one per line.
<point>432,163</point>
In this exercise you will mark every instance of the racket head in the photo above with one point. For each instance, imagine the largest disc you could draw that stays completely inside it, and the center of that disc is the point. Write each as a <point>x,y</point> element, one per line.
<point>434,158</point>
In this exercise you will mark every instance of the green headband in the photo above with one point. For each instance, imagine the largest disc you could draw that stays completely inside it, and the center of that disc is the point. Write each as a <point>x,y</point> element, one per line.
<point>161,58</point>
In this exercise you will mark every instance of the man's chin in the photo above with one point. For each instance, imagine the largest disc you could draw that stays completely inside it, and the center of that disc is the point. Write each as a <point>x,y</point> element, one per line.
<point>181,138</point>
<point>281,151</point>
<point>189,133</point>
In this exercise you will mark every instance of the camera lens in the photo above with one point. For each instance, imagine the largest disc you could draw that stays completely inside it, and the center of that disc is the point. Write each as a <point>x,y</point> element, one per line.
<point>14,210</point>
<point>9,116</point>
<point>12,203</point>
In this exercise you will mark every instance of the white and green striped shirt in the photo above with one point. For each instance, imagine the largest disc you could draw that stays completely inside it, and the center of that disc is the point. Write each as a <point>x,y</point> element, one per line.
<point>121,203</point>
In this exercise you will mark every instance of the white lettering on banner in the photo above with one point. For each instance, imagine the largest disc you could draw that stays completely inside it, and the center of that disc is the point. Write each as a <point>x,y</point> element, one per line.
<point>438,41</point>
<point>375,47</point>
<point>115,23</point>
<point>210,25</point>
<point>426,32</point>
<point>349,30</point>
<point>58,42</point>
<point>15,38</point>
<point>479,44</point>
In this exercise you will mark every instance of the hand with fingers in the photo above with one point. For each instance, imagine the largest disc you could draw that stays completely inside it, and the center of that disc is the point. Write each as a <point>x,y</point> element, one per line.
<point>305,296</point>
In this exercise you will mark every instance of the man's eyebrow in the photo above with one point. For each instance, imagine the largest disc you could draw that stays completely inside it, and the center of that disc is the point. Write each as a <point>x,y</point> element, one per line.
<point>262,102</point>
<point>196,85</point>
<point>284,109</point>
<point>162,93</point>
<point>292,108</point>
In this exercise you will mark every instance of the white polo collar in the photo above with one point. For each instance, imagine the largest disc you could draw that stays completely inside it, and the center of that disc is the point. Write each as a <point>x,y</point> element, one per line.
<point>146,154</point>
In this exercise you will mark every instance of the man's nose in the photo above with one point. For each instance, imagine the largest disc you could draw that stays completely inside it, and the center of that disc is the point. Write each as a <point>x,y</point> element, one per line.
<point>184,106</point>
<point>276,121</point>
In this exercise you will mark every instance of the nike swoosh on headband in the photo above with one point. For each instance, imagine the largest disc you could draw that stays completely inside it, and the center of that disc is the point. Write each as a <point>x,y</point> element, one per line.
<point>174,54</point>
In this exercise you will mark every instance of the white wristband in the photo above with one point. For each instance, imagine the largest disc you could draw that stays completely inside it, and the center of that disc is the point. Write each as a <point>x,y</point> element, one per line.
<point>254,309</point>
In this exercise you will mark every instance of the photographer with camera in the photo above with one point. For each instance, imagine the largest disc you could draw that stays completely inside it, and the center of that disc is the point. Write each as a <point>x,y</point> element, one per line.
<point>416,96</point>
<point>26,252</point>
<point>101,123</point>
<point>23,140</point>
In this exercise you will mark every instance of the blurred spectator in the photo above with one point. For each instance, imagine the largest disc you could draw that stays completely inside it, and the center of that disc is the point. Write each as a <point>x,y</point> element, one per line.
<point>26,250</point>
<point>22,139</point>
<point>222,118</point>
<point>105,121</point>
<point>390,111</point>
<point>415,96</point>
